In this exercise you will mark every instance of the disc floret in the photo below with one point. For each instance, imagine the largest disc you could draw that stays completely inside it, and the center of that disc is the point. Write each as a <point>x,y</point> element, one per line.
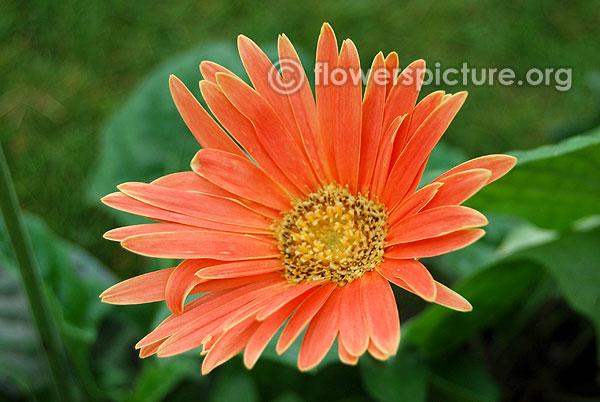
<point>332,234</point>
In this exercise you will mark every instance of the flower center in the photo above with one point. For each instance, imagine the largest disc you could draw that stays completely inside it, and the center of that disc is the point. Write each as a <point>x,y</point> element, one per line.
<point>333,235</point>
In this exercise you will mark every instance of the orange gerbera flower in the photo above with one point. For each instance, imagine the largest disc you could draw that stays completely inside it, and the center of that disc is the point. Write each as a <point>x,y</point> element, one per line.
<point>302,211</point>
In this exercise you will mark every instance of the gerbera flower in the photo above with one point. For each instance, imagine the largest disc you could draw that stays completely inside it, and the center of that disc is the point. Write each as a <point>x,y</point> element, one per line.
<point>300,212</point>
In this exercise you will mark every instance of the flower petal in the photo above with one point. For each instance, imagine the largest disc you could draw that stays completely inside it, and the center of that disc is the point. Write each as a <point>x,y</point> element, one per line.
<point>325,94</point>
<point>348,115</point>
<point>435,222</point>
<point>204,206</point>
<point>210,69</point>
<point>372,119</point>
<point>125,203</point>
<point>302,102</point>
<point>391,65</point>
<point>243,131</point>
<point>206,309</point>
<point>499,165</point>
<point>273,135</point>
<point>413,204</point>
<point>201,244</point>
<point>145,288</point>
<point>122,233</point>
<point>345,356</point>
<point>384,155</point>
<point>248,180</point>
<point>262,73</point>
<point>307,310</point>
<point>321,333</point>
<point>267,330</point>
<point>435,246</point>
<point>449,298</point>
<point>229,344</point>
<point>241,268</point>
<point>376,352</point>
<point>282,298</point>
<point>354,334</point>
<point>205,129</point>
<point>381,312</point>
<point>212,285</point>
<point>182,281</point>
<point>412,273</point>
<point>409,163</point>
<point>459,187</point>
<point>403,95</point>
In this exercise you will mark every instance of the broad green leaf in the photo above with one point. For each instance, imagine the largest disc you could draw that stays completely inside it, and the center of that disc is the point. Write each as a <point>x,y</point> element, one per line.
<point>73,279</point>
<point>493,292</point>
<point>461,378</point>
<point>402,378</point>
<point>551,186</point>
<point>573,262</point>
<point>159,377</point>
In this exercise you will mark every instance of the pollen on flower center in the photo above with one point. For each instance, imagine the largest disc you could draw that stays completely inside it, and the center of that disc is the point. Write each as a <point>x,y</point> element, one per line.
<point>332,234</point>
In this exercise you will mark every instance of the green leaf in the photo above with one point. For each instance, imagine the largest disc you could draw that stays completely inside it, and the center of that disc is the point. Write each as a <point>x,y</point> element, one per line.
<point>493,292</point>
<point>234,384</point>
<point>401,379</point>
<point>461,378</point>
<point>73,279</point>
<point>572,262</point>
<point>551,186</point>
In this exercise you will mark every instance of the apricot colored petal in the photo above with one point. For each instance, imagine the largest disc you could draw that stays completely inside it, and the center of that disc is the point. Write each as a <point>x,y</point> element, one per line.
<point>411,272</point>
<point>348,115</point>
<point>376,352</point>
<point>384,156</point>
<point>345,356</point>
<point>181,282</point>
<point>282,298</point>
<point>354,334</point>
<point>266,331</point>
<point>499,165</point>
<point>391,65</point>
<point>321,333</point>
<point>449,298</point>
<point>381,312</point>
<point>264,76</point>
<point>205,129</point>
<point>435,222</point>
<point>413,204</point>
<point>125,203</point>
<point>410,162</point>
<point>403,95</point>
<point>326,96</point>
<point>206,309</point>
<point>145,288</point>
<point>210,69</point>
<point>417,116</point>
<point>212,285</point>
<point>241,268</point>
<point>271,132</point>
<point>244,132</point>
<point>435,246</point>
<point>228,345</point>
<point>307,310</point>
<point>372,119</point>
<point>302,102</point>
<point>240,177</point>
<point>121,233</point>
<point>459,187</point>
<point>201,244</point>
<point>209,207</point>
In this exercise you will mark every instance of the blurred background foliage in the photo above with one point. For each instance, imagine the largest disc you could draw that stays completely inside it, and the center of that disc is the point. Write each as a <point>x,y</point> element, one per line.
<point>84,105</point>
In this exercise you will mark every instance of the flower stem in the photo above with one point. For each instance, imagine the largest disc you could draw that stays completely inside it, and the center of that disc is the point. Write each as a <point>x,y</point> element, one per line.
<point>49,334</point>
